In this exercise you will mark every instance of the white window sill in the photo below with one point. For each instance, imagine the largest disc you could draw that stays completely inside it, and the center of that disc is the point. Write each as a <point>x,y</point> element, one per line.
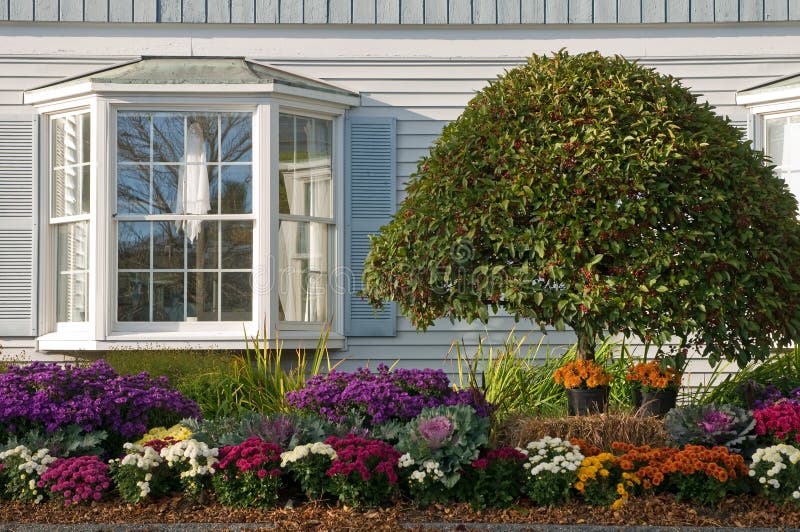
<point>59,341</point>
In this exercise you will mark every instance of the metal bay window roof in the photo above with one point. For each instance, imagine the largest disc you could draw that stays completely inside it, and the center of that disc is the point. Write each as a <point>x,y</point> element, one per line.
<point>193,74</point>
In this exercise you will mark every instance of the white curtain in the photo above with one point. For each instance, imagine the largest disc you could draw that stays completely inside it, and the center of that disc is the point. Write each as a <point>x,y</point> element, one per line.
<point>193,189</point>
<point>304,261</point>
<point>790,160</point>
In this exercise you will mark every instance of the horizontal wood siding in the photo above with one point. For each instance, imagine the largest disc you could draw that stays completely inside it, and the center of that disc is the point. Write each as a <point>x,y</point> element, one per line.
<point>423,95</point>
<point>402,11</point>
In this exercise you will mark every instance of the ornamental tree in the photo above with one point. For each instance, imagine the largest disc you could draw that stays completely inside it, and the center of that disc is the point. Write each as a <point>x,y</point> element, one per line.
<point>594,193</point>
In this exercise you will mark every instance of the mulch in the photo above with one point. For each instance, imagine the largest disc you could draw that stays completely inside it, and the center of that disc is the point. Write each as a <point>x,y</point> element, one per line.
<point>660,510</point>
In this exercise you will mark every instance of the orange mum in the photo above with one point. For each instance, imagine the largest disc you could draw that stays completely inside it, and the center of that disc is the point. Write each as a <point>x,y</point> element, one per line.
<point>582,374</point>
<point>652,375</point>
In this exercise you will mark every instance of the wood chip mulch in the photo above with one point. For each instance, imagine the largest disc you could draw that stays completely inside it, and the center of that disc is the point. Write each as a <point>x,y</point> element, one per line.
<point>661,510</point>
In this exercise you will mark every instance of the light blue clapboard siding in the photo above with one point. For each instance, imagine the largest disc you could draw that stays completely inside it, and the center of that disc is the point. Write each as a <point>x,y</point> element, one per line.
<point>402,11</point>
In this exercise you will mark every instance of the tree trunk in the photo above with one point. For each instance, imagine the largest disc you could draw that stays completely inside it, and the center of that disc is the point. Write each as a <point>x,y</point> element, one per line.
<point>586,344</point>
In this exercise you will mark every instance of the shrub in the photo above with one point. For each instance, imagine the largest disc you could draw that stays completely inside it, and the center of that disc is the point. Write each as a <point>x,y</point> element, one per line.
<point>777,470</point>
<point>726,425</point>
<point>379,397</point>
<point>308,465</point>
<point>20,472</point>
<point>779,422</point>
<point>248,474</point>
<point>78,479</point>
<point>95,398</point>
<point>551,468</point>
<point>494,480</point>
<point>364,472</point>
<point>591,192</point>
<point>450,436</point>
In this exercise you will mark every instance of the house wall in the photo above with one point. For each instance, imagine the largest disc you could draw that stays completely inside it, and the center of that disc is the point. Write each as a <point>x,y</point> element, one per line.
<point>421,76</point>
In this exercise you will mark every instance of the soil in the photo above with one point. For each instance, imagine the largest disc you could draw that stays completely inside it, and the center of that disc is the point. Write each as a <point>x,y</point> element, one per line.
<point>661,510</point>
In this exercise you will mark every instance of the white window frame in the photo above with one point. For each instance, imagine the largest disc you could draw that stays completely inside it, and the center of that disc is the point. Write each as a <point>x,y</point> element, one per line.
<point>103,331</point>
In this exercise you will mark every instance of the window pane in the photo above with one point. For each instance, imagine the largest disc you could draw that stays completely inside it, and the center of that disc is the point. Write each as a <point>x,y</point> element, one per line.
<point>134,246</point>
<point>70,165</point>
<point>167,246</point>
<point>73,297</point>
<point>168,297</point>
<point>236,187</point>
<point>71,191</point>
<point>203,296</point>
<point>71,136</point>
<point>133,299</point>
<point>783,147</point>
<point>72,283</point>
<point>305,166</point>
<point>236,137</point>
<point>303,271</point>
<point>168,135</point>
<point>133,189</point>
<point>133,137</point>
<point>165,189</point>
<point>202,253</point>
<point>237,245</point>
<point>237,296</point>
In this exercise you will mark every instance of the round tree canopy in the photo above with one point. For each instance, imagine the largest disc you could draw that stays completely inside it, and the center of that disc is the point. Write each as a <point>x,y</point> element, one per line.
<point>591,192</point>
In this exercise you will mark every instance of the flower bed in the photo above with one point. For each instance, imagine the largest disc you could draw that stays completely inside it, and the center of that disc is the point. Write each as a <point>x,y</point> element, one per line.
<point>439,455</point>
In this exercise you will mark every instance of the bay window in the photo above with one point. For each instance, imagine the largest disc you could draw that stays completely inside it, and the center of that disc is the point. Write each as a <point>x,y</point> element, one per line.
<point>187,198</point>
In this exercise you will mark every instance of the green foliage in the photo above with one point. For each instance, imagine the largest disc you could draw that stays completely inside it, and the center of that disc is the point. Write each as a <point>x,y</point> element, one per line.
<point>451,436</point>
<point>71,440</point>
<point>726,425</point>
<point>781,370</point>
<point>592,192</point>
<point>516,380</point>
<point>259,381</point>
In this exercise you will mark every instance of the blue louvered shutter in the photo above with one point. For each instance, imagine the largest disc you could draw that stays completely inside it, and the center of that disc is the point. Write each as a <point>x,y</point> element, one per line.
<point>18,146</point>
<point>370,186</point>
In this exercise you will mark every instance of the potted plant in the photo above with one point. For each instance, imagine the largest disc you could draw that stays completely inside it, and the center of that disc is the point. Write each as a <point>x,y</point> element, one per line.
<point>587,386</point>
<point>657,383</point>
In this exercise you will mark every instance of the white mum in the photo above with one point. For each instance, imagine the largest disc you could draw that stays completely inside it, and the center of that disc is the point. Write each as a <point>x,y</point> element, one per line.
<point>551,455</point>
<point>32,463</point>
<point>776,459</point>
<point>141,456</point>
<point>200,458</point>
<point>302,451</point>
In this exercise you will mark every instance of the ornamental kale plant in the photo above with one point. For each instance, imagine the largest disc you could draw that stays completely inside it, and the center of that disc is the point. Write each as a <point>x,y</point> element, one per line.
<point>779,422</point>
<point>77,479</point>
<point>51,397</point>
<point>364,472</point>
<point>248,474</point>
<point>381,396</point>
<point>451,436</point>
<point>494,480</point>
<point>726,425</point>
